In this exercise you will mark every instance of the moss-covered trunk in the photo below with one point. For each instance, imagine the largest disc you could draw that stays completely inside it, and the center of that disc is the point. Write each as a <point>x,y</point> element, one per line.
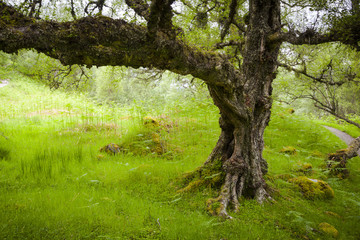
<point>245,112</point>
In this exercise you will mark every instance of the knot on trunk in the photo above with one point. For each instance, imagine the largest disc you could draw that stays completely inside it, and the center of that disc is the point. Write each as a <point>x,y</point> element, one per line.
<point>235,165</point>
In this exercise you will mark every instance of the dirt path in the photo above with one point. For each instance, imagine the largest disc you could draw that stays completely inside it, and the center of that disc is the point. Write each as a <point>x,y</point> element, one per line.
<point>343,136</point>
<point>3,83</point>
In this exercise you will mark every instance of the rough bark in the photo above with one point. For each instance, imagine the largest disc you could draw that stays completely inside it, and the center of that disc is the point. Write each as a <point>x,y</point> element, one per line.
<point>245,112</point>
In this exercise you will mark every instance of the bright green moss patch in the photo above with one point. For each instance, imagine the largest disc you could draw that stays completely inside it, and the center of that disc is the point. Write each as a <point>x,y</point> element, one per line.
<point>328,229</point>
<point>288,150</point>
<point>313,188</point>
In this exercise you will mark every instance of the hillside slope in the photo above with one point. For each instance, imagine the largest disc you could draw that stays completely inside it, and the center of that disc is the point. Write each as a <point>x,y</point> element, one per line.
<point>55,184</point>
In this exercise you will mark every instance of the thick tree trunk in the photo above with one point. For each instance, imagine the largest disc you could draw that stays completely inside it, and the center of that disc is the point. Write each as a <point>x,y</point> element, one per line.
<point>245,112</point>
<point>239,149</point>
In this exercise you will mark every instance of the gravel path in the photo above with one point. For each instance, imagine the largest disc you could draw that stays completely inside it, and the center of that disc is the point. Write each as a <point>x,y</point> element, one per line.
<point>3,83</point>
<point>343,136</point>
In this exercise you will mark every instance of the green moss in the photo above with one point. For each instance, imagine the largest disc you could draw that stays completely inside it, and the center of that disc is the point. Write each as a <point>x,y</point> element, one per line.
<point>328,229</point>
<point>332,214</point>
<point>111,148</point>
<point>284,176</point>
<point>193,186</point>
<point>306,168</point>
<point>213,206</point>
<point>288,150</point>
<point>88,61</point>
<point>291,110</point>
<point>313,188</point>
<point>317,154</point>
<point>210,175</point>
<point>151,122</point>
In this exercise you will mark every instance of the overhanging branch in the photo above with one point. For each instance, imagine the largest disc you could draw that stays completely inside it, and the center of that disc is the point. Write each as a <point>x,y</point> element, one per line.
<point>338,116</point>
<point>104,41</point>
<point>320,79</point>
<point>309,37</point>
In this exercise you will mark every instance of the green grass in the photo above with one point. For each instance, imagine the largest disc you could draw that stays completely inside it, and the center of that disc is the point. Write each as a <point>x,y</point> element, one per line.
<point>54,184</point>
<point>341,125</point>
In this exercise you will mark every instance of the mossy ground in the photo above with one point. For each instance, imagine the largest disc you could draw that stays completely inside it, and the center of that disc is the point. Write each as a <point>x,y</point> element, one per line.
<point>53,185</point>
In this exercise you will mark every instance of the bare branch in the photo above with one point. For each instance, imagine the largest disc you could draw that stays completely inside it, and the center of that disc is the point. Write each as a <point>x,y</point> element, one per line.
<point>319,79</point>
<point>233,8</point>
<point>301,4</point>
<point>99,4</point>
<point>338,116</point>
<point>73,14</point>
<point>33,9</point>
<point>140,7</point>
<point>227,44</point>
<point>309,37</point>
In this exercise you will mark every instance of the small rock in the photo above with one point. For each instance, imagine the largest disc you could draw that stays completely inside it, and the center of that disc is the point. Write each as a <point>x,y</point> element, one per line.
<point>111,148</point>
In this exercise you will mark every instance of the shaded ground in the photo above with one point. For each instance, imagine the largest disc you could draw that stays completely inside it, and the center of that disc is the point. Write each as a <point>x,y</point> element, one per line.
<point>343,136</point>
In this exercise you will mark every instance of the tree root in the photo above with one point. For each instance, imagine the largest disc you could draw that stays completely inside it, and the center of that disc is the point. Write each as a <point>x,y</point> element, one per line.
<point>231,192</point>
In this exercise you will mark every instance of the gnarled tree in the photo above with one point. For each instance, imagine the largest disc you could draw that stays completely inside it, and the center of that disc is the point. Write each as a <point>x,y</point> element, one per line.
<point>238,69</point>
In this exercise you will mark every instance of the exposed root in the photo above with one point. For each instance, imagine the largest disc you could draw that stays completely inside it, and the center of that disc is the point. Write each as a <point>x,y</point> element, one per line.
<point>231,192</point>
<point>261,195</point>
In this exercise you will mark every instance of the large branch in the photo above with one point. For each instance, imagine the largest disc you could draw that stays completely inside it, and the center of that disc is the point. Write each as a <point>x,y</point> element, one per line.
<point>346,30</point>
<point>104,41</point>
<point>309,37</point>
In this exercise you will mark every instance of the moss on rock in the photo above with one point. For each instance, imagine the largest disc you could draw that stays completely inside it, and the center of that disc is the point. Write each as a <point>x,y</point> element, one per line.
<point>328,229</point>
<point>193,186</point>
<point>313,188</point>
<point>317,154</point>
<point>111,148</point>
<point>207,175</point>
<point>284,176</point>
<point>288,150</point>
<point>213,206</point>
<point>306,168</point>
<point>151,122</point>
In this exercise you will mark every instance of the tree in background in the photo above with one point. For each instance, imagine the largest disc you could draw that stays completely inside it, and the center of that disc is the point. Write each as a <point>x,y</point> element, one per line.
<point>330,79</point>
<point>232,45</point>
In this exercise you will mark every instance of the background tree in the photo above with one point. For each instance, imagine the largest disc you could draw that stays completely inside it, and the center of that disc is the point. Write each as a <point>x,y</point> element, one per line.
<point>329,79</point>
<point>234,50</point>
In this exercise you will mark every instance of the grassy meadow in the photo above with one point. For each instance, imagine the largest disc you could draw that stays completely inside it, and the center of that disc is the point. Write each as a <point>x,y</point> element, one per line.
<point>56,184</point>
